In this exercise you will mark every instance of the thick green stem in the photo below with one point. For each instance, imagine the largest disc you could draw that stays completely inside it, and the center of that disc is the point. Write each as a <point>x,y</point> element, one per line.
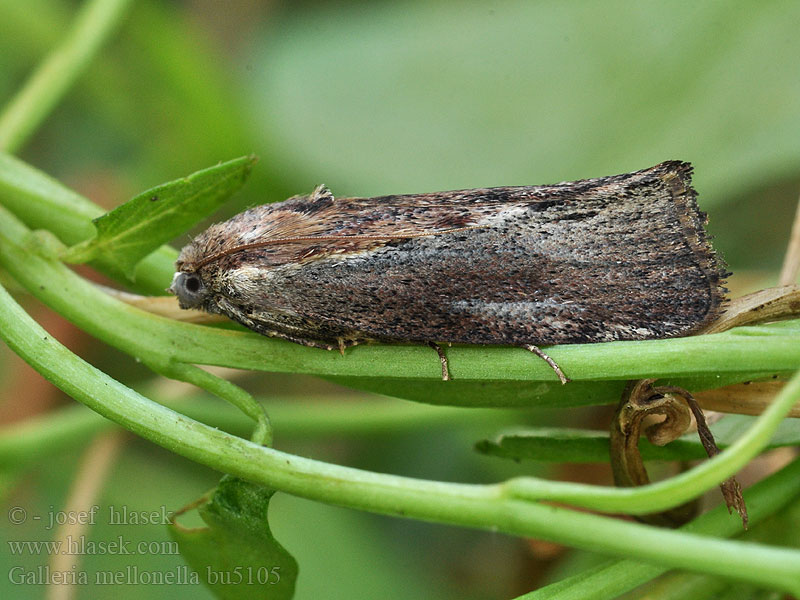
<point>93,25</point>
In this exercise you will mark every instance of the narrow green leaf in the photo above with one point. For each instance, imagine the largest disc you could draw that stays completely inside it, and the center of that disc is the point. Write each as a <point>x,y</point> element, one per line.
<point>575,445</point>
<point>553,444</point>
<point>135,229</point>
<point>236,555</point>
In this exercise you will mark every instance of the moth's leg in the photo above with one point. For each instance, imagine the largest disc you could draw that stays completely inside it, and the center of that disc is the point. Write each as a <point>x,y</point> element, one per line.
<point>340,343</point>
<point>538,352</point>
<point>443,358</point>
<point>324,344</point>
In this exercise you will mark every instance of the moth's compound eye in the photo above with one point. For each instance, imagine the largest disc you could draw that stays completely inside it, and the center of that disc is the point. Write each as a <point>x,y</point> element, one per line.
<point>193,283</point>
<point>189,289</point>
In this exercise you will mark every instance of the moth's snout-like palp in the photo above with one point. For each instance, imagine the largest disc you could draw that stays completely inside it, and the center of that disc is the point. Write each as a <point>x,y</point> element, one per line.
<point>189,288</point>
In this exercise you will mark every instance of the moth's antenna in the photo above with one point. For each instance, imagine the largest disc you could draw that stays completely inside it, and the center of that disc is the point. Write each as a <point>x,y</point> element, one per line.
<point>324,238</point>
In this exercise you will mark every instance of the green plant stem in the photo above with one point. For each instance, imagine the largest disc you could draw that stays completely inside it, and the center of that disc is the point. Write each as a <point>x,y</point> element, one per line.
<point>33,264</point>
<point>94,23</point>
<point>677,489</point>
<point>224,389</point>
<point>482,506</point>
<point>609,580</point>
<point>564,444</point>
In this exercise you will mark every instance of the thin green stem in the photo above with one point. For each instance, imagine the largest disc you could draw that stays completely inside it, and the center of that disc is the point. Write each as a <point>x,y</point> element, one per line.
<point>94,23</point>
<point>482,506</point>
<point>230,392</point>
<point>677,489</point>
<point>609,580</point>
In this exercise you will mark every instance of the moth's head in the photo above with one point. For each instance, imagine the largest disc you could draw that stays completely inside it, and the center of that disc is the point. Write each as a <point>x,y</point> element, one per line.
<point>190,289</point>
<point>191,282</point>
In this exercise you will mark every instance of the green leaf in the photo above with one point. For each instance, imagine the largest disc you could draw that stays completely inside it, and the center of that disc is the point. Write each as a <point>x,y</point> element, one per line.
<point>236,555</point>
<point>554,444</point>
<point>550,444</point>
<point>132,231</point>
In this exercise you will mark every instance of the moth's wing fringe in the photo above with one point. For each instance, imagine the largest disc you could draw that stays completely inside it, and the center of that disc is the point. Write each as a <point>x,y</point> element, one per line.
<point>678,176</point>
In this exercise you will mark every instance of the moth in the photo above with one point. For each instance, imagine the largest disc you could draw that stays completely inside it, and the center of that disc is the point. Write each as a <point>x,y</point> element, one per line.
<point>624,257</point>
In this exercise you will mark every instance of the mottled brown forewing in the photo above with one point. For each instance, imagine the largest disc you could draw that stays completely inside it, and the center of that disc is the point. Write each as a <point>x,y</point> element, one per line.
<point>624,257</point>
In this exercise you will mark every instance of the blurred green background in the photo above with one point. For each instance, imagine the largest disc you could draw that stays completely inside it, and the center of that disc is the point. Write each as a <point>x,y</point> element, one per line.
<point>391,97</point>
